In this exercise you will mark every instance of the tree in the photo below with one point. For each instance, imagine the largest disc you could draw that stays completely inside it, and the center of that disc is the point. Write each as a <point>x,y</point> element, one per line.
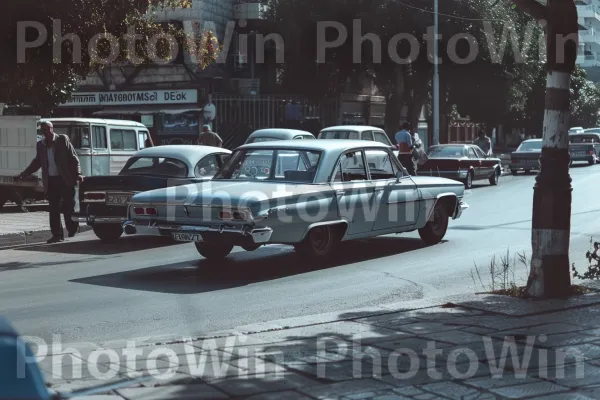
<point>551,221</point>
<point>37,70</point>
<point>585,102</point>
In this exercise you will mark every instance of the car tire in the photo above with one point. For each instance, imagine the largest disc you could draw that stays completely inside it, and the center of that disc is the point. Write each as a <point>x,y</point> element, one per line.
<point>514,172</point>
<point>214,251</point>
<point>108,233</point>
<point>592,162</point>
<point>495,178</point>
<point>469,181</point>
<point>320,242</point>
<point>527,171</point>
<point>434,231</point>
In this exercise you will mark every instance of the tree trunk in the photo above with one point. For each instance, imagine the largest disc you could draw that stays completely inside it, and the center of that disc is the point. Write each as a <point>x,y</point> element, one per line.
<point>394,104</point>
<point>551,221</point>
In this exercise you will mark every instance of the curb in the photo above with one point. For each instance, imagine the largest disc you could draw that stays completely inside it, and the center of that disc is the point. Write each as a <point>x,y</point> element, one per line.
<point>21,238</point>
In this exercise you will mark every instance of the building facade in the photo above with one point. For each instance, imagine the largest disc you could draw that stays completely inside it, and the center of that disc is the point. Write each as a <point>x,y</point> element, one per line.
<point>588,57</point>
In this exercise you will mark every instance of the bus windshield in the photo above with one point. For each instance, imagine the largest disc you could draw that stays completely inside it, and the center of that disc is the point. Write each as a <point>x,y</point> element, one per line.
<point>78,134</point>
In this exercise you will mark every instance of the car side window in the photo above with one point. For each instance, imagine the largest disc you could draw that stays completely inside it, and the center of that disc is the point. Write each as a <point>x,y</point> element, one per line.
<point>223,158</point>
<point>367,135</point>
<point>380,165</point>
<point>479,152</point>
<point>471,153</point>
<point>121,139</point>
<point>99,137</point>
<point>207,167</point>
<point>353,167</point>
<point>382,138</point>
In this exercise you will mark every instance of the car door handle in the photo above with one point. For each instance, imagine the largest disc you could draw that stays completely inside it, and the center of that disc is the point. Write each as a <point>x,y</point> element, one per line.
<point>340,192</point>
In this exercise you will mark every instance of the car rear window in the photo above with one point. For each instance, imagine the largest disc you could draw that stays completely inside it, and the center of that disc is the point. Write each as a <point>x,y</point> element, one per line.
<point>583,139</point>
<point>530,146</point>
<point>352,135</point>
<point>156,166</point>
<point>446,151</point>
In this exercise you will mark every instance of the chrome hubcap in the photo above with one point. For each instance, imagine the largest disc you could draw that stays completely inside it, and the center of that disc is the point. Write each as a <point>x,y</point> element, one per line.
<point>320,239</point>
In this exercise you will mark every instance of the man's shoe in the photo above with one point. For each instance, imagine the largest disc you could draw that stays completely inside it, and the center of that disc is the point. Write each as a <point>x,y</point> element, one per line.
<point>55,239</point>
<point>73,230</point>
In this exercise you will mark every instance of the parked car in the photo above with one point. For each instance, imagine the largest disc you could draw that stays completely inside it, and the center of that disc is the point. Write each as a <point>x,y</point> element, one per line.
<point>357,132</point>
<point>585,146</point>
<point>526,157</point>
<point>268,135</point>
<point>462,162</point>
<point>103,200</point>
<point>333,191</point>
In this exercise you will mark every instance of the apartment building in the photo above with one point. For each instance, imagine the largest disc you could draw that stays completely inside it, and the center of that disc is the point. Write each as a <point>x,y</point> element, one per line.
<point>588,57</point>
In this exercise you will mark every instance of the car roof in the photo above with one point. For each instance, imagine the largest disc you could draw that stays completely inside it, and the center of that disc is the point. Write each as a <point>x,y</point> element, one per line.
<point>280,133</point>
<point>193,153</point>
<point>359,128</point>
<point>532,140</point>
<point>319,145</point>
<point>97,121</point>
<point>452,145</point>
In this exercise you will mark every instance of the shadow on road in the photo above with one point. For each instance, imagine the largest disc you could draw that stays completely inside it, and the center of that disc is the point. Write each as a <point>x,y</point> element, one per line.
<point>245,268</point>
<point>17,265</point>
<point>96,247</point>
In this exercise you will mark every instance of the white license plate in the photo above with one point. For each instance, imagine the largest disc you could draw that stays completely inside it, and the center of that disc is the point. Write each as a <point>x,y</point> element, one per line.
<point>7,180</point>
<point>120,200</point>
<point>186,237</point>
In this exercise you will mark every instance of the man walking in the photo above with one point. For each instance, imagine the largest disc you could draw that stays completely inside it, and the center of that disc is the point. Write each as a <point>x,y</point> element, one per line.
<point>405,147</point>
<point>484,143</point>
<point>61,171</point>
<point>209,138</point>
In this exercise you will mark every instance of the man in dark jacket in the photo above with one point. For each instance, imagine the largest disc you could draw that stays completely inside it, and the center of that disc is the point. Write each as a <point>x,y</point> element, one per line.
<point>61,171</point>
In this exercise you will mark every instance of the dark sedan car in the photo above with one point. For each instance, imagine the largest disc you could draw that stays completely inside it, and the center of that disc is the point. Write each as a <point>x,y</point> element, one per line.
<point>103,200</point>
<point>526,157</point>
<point>461,162</point>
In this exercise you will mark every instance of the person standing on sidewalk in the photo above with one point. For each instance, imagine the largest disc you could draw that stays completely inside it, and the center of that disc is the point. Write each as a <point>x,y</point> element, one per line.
<point>405,146</point>
<point>209,138</point>
<point>61,172</point>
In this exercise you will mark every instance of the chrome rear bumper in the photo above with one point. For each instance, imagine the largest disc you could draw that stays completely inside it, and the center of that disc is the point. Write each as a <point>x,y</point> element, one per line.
<point>258,235</point>
<point>91,220</point>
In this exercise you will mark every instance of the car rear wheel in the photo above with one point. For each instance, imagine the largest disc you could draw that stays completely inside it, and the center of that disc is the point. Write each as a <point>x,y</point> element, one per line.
<point>514,172</point>
<point>495,178</point>
<point>469,181</point>
<point>435,230</point>
<point>214,251</point>
<point>320,242</point>
<point>527,171</point>
<point>108,233</point>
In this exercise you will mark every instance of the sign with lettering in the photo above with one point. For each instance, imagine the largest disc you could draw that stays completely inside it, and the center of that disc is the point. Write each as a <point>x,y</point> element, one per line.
<point>79,99</point>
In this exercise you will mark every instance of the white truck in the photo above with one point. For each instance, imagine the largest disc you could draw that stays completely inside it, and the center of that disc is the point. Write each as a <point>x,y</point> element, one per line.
<point>18,138</point>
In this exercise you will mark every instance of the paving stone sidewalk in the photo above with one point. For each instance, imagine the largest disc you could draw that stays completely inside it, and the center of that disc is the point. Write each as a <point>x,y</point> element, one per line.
<point>455,351</point>
<point>18,228</point>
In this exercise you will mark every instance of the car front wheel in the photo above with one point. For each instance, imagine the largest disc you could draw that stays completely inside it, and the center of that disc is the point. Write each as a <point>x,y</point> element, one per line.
<point>469,180</point>
<point>214,251</point>
<point>108,233</point>
<point>320,242</point>
<point>435,230</point>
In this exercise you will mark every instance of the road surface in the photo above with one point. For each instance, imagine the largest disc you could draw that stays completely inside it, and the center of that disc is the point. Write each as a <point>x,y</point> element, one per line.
<point>88,292</point>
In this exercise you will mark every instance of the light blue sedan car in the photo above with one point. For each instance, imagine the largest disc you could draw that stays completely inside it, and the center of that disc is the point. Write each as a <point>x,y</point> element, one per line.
<point>310,194</point>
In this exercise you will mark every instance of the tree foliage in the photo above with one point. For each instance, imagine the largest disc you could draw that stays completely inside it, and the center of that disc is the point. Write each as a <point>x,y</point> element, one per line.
<point>109,31</point>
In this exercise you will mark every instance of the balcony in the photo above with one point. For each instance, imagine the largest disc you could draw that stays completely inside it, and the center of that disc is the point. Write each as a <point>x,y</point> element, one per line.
<point>590,35</point>
<point>588,60</point>
<point>249,10</point>
<point>589,11</point>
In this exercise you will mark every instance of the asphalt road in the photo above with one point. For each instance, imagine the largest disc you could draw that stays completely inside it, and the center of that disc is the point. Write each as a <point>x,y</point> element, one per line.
<point>90,292</point>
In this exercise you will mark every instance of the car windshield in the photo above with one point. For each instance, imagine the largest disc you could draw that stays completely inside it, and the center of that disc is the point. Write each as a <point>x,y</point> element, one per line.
<point>79,135</point>
<point>352,135</point>
<point>530,146</point>
<point>446,151</point>
<point>156,166</point>
<point>583,139</point>
<point>288,165</point>
<point>262,139</point>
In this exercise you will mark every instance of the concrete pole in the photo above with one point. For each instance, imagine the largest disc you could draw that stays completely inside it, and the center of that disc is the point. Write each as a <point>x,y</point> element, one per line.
<point>436,78</point>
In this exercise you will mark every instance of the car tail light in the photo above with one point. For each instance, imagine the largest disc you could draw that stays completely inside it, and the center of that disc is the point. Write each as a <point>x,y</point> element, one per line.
<point>240,216</point>
<point>94,196</point>
<point>139,211</point>
<point>225,215</point>
<point>151,211</point>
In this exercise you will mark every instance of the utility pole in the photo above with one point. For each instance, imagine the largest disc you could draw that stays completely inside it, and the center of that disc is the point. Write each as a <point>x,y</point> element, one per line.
<point>436,77</point>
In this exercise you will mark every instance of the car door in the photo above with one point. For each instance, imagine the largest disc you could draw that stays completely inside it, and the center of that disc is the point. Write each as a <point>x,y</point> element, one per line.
<point>397,201</point>
<point>354,192</point>
<point>487,164</point>
<point>474,162</point>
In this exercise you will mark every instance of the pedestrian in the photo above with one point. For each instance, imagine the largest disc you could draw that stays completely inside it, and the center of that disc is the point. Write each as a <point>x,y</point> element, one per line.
<point>61,172</point>
<point>209,138</point>
<point>484,143</point>
<point>405,143</point>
